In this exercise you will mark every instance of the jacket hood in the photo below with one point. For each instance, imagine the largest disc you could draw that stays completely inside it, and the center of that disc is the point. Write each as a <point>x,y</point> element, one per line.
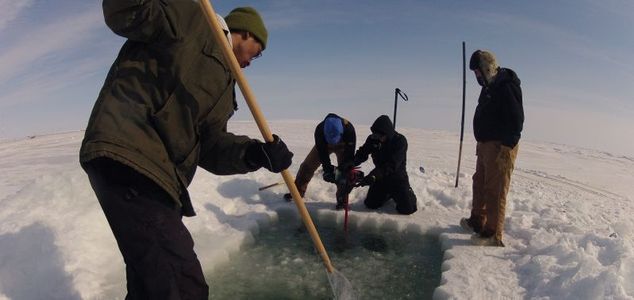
<point>507,75</point>
<point>383,125</point>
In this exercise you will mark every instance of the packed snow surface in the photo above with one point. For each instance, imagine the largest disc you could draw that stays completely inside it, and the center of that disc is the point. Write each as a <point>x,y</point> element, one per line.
<point>569,223</point>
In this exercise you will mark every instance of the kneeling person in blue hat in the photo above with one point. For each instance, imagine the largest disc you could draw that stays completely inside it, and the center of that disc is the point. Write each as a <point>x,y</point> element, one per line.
<point>333,135</point>
<point>388,179</point>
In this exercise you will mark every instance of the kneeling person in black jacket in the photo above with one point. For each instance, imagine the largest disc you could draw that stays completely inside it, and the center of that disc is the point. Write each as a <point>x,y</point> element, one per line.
<point>389,177</point>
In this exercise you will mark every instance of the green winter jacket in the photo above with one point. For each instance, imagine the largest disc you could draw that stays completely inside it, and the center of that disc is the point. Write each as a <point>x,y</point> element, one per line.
<point>164,106</point>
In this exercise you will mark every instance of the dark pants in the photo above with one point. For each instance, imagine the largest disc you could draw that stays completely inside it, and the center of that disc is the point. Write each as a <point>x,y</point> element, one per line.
<point>381,191</point>
<point>156,246</point>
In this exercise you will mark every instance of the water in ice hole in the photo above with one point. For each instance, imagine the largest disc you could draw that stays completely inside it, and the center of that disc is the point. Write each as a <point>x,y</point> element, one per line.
<point>380,262</point>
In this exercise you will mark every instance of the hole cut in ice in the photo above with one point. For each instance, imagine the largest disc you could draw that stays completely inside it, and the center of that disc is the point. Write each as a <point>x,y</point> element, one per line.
<point>381,260</point>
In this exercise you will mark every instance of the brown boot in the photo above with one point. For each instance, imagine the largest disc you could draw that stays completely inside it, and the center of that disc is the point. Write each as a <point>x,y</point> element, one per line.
<point>470,225</point>
<point>486,238</point>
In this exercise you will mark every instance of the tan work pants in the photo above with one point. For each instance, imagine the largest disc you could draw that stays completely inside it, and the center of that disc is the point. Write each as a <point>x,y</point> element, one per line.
<point>311,163</point>
<point>491,182</point>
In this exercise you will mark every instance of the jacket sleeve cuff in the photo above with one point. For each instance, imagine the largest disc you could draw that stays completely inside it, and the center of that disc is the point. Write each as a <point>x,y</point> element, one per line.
<point>510,142</point>
<point>328,168</point>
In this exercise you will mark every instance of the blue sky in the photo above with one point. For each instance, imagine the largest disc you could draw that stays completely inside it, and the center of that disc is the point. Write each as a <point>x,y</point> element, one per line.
<point>574,59</point>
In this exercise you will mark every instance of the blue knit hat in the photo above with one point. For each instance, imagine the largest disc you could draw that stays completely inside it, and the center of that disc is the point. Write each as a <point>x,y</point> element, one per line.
<point>333,130</point>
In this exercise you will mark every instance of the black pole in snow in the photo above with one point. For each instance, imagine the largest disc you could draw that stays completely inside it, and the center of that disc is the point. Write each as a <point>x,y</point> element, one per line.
<point>397,92</point>
<point>464,86</point>
<point>395,103</point>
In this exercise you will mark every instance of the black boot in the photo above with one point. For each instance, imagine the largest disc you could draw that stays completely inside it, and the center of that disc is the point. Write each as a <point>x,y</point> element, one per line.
<point>470,225</point>
<point>288,197</point>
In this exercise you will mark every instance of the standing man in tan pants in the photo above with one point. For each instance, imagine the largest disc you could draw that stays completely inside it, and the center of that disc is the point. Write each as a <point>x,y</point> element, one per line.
<point>497,126</point>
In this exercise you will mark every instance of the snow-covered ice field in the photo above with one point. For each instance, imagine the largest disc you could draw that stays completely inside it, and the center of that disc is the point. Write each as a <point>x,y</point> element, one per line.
<point>569,227</point>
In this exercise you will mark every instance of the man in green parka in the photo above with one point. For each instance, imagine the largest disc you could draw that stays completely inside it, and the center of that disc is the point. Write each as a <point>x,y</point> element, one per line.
<point>161,113</point>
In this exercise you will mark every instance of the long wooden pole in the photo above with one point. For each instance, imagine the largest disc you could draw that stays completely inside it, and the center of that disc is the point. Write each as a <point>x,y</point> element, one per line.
<point>464,86</point>
<point>220,37</point>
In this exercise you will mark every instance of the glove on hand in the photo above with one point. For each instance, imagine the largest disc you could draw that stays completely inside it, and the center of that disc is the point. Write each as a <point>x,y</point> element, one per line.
<point>367,180</point>
<point>329,176</point>
<point>274,156</point>
<point>373,142</point>
<point>345,167</point>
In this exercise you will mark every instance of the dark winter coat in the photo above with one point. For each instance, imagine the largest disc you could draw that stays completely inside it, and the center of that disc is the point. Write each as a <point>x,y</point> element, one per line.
<point>390,160</point>
<point>164,106</point>
<point>499,115</point>
<point>348,139</point>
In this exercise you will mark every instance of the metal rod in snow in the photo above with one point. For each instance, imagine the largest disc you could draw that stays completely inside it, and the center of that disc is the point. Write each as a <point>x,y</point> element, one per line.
<point>397,92</point>
<point>464,86</point>
<point>270,185</point>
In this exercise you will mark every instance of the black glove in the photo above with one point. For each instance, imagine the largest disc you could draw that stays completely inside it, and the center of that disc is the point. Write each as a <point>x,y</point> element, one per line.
<point>329,176</point>
<point>357,176</point>
<point>367,180</point>
<point>373,143</point>
<point>345,167</point>
<point>274,156</point>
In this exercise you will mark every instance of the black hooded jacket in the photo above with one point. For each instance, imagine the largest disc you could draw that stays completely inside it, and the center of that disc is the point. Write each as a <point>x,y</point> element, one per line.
<point>390,158</point>
<point>349,139</point>
<point>499,115</point>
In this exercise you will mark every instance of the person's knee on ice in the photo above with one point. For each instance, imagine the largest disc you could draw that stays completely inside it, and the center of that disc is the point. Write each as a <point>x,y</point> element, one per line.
<point>406,202</point>
<point>373,204</point>
<point>377,196</point>
<point>406,210</point>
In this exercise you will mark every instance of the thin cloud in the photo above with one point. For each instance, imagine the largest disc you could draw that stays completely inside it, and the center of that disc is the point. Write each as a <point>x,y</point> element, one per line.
<point>10,10</point>
<point>47,40</point>
<point>302,14</point>
<point>45,85</point>
<point>619,8</point>
<point>528,25</point>
<point>576,43</point>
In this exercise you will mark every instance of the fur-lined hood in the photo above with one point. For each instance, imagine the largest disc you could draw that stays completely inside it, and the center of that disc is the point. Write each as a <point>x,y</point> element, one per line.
<point>485,62</point>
